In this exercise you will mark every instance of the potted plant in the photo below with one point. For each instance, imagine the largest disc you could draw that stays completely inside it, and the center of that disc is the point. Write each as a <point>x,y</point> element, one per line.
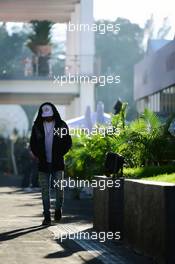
<point>39,41</point>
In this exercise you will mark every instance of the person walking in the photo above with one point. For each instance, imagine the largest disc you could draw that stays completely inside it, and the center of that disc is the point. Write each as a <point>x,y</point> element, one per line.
<point>48,146</point>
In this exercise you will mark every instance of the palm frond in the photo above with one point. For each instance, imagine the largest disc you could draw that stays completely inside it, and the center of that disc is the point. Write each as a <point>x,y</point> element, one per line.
<point>139,125</point>
<point>152,120</point>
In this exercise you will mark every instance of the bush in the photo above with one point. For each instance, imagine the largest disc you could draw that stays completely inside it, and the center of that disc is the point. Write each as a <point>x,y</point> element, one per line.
<point>144,142</point>
<point>87,156</point>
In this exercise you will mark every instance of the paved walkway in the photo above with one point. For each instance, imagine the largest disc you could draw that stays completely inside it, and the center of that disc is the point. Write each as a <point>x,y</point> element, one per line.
<point>24,241</point>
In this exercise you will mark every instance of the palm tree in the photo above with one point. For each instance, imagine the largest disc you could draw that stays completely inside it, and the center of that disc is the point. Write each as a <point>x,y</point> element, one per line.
<point>39,41</point>
<point>151,134</point>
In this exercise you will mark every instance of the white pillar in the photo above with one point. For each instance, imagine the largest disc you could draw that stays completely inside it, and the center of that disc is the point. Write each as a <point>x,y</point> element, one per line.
<point>76,107</point>
<point>80,44</point>
<point>77,40</point>
<point>71,47</point>
<point>80,51</point>
<point>87,52</point>
<point>87,97</point>
<point>68,50</point>
<point>73,109</point>
<point>87,46</point>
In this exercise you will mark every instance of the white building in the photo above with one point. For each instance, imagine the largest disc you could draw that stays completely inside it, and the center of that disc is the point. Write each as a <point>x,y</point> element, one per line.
<point>79,55</point>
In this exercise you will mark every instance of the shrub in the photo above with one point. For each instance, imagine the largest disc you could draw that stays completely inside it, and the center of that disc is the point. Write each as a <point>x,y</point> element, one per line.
<point>143,142</point>
<point>87,156</point>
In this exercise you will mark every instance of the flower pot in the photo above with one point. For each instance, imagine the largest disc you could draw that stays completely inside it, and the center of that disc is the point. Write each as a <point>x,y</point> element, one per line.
<point>43,50</point>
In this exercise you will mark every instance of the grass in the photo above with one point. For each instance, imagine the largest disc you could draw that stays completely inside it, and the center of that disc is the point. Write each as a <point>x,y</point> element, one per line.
<point>161,174</point>
<point>162,178</point>
<point>149,172</point>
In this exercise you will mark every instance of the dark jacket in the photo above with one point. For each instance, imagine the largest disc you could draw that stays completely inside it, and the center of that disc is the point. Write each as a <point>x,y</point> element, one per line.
<point>61,145</point>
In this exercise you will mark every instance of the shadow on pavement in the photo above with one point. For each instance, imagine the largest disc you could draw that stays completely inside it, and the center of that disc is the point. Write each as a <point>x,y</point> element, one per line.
<point>70,248</point>
<point>19,232</point>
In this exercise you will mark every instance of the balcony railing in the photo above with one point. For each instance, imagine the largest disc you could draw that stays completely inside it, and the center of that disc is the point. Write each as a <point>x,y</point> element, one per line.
<point>36,68</point>
<point>45,67</point>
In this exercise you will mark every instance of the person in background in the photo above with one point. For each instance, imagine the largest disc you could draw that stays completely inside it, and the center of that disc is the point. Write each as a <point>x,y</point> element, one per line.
<point>49,148</point>
<point>26,167</point>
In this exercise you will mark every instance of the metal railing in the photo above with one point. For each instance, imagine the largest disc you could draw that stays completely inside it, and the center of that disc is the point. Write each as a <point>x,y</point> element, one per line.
<point>33,68</point>
<point>43,67</point>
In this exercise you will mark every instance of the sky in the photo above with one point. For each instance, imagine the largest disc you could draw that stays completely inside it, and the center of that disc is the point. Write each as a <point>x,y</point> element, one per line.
<point>137,11</point>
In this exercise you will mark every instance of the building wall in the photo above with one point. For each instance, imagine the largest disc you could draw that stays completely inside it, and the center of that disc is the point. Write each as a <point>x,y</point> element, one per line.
<point>155,73</point>
<point>162,102</point>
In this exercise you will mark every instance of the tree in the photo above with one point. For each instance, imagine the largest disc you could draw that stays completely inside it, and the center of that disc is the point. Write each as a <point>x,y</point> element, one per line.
<point>41,34</point>
<point>151,33</point>
<point>164,29</point>
<point>39,42</point>
<point>12,51</point>
<point>118,54</point>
